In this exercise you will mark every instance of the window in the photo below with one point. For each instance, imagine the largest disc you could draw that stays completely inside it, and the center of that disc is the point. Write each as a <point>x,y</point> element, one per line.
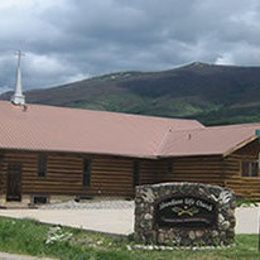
<point>136,173</point>
<point>42,165</point>
<point>86,172</point>
<point>40,199</point>
<point>250,169</point>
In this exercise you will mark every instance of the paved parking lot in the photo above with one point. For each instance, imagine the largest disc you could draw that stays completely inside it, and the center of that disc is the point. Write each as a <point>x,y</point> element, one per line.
<point>116,217</point>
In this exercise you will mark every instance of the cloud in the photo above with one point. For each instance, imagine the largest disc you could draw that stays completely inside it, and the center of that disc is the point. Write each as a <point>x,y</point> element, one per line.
<point>67,40</point>
<point>4,89</point>
<point>225,59</point>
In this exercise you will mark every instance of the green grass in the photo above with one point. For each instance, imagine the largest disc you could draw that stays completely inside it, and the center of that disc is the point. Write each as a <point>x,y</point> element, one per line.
<point>244,202</point>
<point>29,237</point>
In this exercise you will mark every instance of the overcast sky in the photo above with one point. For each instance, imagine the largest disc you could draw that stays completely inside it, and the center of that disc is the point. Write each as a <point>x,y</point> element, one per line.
<point>68,40</point>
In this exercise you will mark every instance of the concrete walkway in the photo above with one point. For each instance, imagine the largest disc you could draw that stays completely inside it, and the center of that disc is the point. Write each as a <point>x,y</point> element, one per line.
<point>116,221</point>
<point>247,220</point>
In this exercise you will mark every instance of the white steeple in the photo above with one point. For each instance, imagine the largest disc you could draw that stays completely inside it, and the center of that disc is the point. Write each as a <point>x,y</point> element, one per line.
<point>18,97</point>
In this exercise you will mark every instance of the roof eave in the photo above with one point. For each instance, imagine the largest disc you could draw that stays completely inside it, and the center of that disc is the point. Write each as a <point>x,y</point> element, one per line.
<point>137,156</point>
<point>240,145</point>
<point>188,155</point>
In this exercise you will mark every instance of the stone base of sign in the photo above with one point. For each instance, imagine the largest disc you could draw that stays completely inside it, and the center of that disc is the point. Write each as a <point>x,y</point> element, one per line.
<point>147,231</point>
<point>174,248</point>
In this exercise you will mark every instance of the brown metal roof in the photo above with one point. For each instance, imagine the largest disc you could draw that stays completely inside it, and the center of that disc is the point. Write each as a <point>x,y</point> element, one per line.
<point>47,128</point>
<point>220,140</point>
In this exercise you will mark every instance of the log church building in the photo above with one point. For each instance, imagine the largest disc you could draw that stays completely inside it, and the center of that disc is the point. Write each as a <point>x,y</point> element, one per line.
<point>49,154</point>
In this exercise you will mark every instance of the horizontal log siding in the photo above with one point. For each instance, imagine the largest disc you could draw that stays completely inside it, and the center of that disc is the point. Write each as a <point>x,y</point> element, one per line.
<point>113,176</point>
<point>110,176</point>
<point>62,173</point>
<point>243,186</point>
<point>1,175</point>
<point>150,171</point>
<point>203,169</point>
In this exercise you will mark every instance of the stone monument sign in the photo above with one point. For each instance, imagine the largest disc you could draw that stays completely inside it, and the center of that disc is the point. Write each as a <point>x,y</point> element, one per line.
<point>184,214</point>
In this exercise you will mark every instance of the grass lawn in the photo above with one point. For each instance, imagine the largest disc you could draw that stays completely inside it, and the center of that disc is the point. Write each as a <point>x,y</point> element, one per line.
<point>33,238</point>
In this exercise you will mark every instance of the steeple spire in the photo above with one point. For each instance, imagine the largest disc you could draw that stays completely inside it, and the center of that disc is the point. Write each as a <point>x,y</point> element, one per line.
<point>18,97</point>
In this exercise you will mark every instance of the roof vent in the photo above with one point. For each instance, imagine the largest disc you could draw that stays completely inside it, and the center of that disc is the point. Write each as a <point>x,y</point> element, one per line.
<point>18,97</point>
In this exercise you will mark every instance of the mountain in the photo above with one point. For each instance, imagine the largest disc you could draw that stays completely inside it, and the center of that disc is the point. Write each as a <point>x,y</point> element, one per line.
<point>213,94</point>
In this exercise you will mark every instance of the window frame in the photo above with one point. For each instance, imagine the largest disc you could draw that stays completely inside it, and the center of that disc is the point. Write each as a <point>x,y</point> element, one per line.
<point>42,165</point>
<point>250,168</point>
<point>86,172</point>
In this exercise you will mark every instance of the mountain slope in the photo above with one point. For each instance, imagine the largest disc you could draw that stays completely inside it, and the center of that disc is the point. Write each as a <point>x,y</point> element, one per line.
<point>213,94</point>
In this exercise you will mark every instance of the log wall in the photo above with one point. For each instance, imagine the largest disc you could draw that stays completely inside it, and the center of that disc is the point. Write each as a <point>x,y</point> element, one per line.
<point>1,175</point>
<point>218,170</point>
<point>150,171</point>
<point>113,176</point>
<point>110,176</point>
<point>204,169</point>
<point>243,186</point>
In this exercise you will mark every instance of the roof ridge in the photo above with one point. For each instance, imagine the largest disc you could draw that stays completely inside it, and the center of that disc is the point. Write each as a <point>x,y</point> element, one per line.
<point>161,144</point>
<point>217,127</point>
<point>109,112</point>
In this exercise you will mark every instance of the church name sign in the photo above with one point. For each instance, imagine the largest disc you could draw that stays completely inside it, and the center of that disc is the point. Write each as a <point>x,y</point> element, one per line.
<point>185,212</point>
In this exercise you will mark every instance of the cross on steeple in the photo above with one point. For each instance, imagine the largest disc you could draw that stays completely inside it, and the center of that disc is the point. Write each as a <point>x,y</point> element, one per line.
<point>18,97</point>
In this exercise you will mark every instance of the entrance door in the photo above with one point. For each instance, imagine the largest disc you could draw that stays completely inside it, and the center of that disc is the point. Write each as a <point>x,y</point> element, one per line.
<point>14,173</point>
